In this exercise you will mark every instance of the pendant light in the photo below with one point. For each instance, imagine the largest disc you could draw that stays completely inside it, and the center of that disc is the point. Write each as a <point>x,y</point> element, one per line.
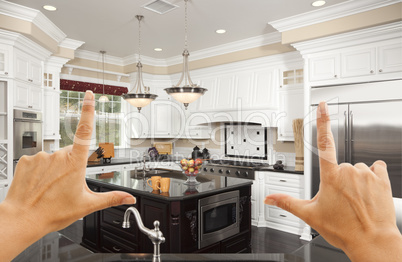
<point>189,92</point>
<point>103,98</point>
<point>139,99</point>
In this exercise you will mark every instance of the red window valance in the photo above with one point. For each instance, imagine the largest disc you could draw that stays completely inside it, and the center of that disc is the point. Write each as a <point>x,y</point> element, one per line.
<point>96,88</point>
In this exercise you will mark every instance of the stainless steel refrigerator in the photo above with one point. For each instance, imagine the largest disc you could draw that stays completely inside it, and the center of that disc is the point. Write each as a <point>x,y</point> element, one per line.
<point>365,132</point>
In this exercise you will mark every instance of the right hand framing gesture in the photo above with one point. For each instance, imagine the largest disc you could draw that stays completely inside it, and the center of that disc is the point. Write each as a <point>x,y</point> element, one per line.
<point>353,209</point>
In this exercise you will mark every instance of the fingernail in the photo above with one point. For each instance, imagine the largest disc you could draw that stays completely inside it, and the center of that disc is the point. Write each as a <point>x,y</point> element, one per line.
<point>270,201</point>
<point>89,98</point>
<point>323,108</point>
<point>128,201</point>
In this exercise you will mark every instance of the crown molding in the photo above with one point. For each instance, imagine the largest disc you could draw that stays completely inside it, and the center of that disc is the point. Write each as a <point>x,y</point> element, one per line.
<point>236,46</point>
<point>71,43</point>
<point>329,13</point>
<point>23,43</point>
<point>359,37</point>
<point>196,55</point>
<point>33,16</point>
<point>97,56</point>
<point>55,63</point>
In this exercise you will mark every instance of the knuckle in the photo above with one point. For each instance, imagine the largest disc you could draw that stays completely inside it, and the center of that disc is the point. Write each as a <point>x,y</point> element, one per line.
<point>84,129</point>
<point>324,141</point>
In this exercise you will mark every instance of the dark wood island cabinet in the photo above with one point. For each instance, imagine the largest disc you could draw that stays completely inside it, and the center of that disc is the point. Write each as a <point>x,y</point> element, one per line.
<point>176,211</point>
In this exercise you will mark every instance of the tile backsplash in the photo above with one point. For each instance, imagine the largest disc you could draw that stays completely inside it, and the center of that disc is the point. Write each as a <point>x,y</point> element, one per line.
<point>246,141</point>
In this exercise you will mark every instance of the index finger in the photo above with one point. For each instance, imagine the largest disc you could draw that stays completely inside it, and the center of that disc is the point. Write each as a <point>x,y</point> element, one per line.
<point>83,135</point>
<point>325,140</point>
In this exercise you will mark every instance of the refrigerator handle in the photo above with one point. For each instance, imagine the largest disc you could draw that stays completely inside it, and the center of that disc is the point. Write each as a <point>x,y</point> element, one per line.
<point>346,136</point>
<point>351,137</point>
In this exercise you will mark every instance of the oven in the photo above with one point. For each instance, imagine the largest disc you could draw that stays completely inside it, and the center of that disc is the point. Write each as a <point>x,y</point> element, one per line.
<point>218,218</point>
<point>27,133</point>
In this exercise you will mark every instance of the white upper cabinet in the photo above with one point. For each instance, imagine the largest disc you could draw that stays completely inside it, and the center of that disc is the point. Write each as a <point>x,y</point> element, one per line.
<point>370,62</point>
<point>27,96</point>
<point>225,92</point>
<point>291,107</point>
<point>359,62</point>
<point>27,68</point>
<point>5,63</point>
<point>50,114</point>
<point>324,67</point>
<point>208,100</point>
<point>265,83</point>
<point>390,58</point>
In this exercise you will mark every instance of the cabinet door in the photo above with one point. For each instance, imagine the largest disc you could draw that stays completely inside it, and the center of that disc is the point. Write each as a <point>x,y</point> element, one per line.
<point>161,117</point>
<point>390,58</point>
<point>265,83</point>
<point>358,63</point>
<point>35,72</point>
<point>207,101</point>
<point>225,92</point>
<point>244,83</point>
<point>51,114</point>
<point>21,95</point>
<point>151,211</point>
<point>324,67</point>
<point>138,124</point>
<point>35,98</point>
<point>21,65</point>
<point>292,107</point>
<point>4,61</point>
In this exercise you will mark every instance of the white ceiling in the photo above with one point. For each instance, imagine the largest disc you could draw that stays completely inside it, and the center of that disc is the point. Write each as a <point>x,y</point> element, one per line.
<point>111,25</point>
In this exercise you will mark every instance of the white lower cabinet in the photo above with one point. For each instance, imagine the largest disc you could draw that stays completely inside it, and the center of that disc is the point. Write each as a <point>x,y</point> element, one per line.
<point>270,216</point>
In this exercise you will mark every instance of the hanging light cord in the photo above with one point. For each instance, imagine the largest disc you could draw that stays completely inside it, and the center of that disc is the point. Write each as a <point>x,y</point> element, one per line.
<point>186,74</point>
<point>103,70</point>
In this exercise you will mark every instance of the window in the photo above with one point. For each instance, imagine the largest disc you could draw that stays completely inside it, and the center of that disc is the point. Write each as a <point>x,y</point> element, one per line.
<point>108,118</point>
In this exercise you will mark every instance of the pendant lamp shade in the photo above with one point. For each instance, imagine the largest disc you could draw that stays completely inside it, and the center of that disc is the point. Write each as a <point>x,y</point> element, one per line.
<point>139,99</point>
<point>189,92</point>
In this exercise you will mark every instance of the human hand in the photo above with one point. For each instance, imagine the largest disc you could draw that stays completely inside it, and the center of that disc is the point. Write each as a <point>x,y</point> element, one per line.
<point>49,191</point>
<point>353,209</point>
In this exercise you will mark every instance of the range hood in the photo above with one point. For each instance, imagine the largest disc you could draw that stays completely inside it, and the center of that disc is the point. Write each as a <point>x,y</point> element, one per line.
<point>265,118</point>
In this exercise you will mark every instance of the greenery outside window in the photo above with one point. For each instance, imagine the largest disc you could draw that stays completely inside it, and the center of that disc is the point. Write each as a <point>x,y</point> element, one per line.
<point>108,118</point>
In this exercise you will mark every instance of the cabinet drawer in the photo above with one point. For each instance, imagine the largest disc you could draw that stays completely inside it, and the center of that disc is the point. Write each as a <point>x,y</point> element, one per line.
<point>285,180</point>
<point>280,216</point>
<point>114,244</point>
<point>294,192</point>
<point>112,218</point>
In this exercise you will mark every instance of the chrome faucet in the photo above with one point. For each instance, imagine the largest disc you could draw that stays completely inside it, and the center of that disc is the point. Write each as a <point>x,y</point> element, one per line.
<point>144,169</point>
<point>155,234</point>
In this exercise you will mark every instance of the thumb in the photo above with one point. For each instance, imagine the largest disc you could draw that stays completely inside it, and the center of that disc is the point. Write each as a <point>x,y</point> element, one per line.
<point>113,198</point>
<point>291,204</point>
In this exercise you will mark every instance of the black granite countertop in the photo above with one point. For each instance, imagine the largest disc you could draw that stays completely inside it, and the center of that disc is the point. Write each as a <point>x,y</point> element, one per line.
<point>286,169</point>
<point>126,161</point>
<point>136,183</point>
<point>56,247</point>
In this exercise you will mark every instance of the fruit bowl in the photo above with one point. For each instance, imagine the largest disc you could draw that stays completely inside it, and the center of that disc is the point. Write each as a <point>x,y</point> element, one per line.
<point>191,168</point>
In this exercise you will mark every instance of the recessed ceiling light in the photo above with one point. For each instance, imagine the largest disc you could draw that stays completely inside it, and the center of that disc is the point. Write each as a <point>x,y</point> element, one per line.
<point>158,49</point>
<point>49,8</point>
<point>220,31</point>
<point>318,3</point>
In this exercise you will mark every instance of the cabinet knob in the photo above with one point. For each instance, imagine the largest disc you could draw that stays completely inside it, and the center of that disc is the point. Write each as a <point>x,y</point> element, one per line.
<point>380,70</point>
<point>6,73</point>
<point>54,133</point>
<point>282,180</point>
<point>30,80</point>
<point>282,215</point>
<point>371,71</point>
<point>335,76</point>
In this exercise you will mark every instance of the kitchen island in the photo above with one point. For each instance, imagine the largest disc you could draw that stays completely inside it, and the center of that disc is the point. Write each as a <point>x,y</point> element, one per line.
<point>177,211</point>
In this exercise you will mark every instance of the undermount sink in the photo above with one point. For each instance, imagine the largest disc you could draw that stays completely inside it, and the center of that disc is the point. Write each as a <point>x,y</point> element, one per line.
<point>152,172</point>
